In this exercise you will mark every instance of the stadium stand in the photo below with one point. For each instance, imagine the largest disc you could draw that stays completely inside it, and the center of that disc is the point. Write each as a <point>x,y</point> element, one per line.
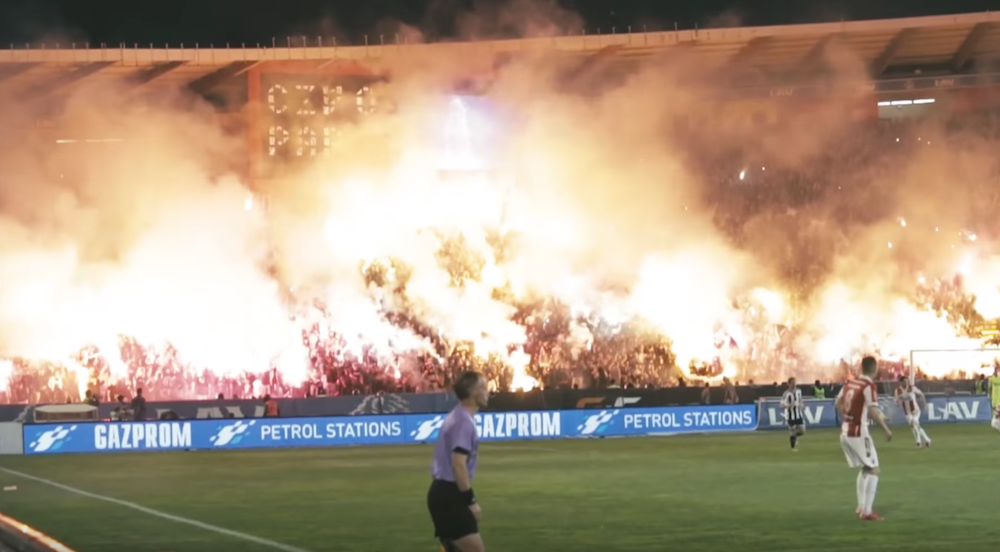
<point>893,48</point>
<point>951,55</point>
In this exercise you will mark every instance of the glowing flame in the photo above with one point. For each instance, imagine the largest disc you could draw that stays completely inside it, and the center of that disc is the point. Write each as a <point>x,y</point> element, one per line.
<point>391,263</point>
<point>773,303</point>
<point>984,283</point>
<point>519,361</point>
<point>82,376</point>
<point>6,372</point>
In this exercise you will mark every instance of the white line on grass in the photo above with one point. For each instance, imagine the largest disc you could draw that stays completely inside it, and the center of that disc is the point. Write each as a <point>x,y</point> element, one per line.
<point>159,514</point>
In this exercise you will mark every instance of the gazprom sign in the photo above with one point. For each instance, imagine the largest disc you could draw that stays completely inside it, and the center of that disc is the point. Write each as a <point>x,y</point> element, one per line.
<point>518,424</point>
<point>136,436</point>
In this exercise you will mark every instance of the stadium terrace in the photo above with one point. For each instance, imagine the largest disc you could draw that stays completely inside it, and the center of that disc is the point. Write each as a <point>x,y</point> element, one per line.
<point>466,289</point>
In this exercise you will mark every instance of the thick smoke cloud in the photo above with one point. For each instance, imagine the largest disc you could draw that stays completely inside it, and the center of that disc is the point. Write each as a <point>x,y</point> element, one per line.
<point>601,207</point>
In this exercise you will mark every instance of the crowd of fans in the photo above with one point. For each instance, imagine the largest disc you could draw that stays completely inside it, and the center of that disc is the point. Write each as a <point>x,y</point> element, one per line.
<point>746,190</point>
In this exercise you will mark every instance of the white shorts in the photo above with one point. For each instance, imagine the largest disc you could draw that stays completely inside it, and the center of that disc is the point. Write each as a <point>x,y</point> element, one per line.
<point>859,451</point>
<point>996,424</point>
<point>913,418</point>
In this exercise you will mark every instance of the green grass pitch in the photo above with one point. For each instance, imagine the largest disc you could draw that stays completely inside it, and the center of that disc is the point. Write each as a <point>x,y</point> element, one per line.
<point>746,492</point>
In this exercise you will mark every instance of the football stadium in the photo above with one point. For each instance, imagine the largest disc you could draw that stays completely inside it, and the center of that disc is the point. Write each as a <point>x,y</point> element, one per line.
<point>238,282</point>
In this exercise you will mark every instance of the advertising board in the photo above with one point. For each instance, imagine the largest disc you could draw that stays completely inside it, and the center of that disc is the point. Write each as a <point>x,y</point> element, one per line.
<point>822,413</point>
<point>377,430</point>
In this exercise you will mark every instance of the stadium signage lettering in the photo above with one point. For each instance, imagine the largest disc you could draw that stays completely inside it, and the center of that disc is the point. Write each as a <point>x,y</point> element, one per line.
<point>670,420</point>
<point>521,424</point>
<point>142,435</point>
<point>953,410</point>
<point>813,415</point>
<point>944,83</point>
<point>816,413</point>
<point>332,430</point>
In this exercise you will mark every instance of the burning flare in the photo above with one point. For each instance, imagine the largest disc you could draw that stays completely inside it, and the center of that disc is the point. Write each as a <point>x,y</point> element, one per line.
<point>540,269</point>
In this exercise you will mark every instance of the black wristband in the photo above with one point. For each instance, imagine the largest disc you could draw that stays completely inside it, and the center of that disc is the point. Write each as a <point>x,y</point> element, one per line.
<point>469,496</point>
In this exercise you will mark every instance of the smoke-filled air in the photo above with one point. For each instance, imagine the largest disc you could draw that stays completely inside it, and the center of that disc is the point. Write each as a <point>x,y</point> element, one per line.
<point>571,224</point>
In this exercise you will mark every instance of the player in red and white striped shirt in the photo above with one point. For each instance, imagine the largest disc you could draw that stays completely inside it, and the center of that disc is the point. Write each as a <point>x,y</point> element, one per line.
<point>910,399</point>
<point>857,403</point>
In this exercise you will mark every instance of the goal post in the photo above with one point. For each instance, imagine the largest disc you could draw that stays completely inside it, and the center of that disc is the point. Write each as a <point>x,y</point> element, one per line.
<point>943,362</point>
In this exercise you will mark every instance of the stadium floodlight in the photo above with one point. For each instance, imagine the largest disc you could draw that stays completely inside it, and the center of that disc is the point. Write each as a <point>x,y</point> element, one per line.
<point>947,361</point>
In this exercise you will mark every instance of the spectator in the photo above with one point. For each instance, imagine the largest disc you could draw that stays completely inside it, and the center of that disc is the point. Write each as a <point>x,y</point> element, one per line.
<point>138,405</point>
<point>746,204</point>
<point>271,407</point>
<point>730,392</point>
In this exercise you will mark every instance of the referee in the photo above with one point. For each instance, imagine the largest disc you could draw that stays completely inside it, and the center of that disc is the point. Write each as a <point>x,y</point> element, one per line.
<point>450,500</point>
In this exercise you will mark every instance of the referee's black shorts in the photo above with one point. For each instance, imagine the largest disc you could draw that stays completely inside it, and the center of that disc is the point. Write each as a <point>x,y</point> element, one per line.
<point>451,515</point>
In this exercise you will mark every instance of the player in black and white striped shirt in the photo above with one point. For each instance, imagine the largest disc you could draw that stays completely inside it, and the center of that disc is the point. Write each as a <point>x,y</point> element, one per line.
<point>794,407</point>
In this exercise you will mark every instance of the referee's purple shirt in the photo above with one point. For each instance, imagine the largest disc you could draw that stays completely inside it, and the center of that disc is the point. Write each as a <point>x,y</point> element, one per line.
<point>458,434</point>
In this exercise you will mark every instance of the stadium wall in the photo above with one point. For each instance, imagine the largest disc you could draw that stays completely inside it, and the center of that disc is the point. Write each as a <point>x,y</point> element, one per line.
<point>399,429</point>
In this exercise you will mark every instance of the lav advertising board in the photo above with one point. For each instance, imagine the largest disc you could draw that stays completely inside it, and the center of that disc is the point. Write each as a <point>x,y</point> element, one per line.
<point>823,413</point>
<point>377,430</point>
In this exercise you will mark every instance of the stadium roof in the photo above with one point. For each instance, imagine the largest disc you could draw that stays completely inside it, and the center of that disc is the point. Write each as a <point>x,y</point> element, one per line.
<point>936,45</point>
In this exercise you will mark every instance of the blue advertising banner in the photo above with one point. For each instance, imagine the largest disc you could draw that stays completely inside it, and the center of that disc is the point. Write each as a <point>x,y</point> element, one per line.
<point>822,413</point>
<point>944,409</point>
<point>664,421</point>
<point>507,426</point>
<point>377,430</point>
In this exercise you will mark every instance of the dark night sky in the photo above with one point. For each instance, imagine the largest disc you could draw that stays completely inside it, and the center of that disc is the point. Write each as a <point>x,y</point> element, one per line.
<point>252,21</point>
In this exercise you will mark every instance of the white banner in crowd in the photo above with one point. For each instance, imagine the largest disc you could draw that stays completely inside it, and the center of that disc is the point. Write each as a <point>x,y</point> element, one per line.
<point>11,438</point>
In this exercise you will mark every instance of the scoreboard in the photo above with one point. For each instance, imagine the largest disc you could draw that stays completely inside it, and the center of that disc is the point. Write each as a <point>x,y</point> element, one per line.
<point>300,109</point>
<point>299,116</point>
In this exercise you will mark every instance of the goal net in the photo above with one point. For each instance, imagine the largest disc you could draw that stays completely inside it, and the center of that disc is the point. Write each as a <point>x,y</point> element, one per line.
<point>953,363</point>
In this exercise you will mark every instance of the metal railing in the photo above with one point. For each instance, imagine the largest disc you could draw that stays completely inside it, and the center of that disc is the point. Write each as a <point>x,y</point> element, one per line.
<point>18,537</point>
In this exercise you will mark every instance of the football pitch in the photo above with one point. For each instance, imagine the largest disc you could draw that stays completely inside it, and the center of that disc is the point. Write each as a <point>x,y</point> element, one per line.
<point>685,493</point>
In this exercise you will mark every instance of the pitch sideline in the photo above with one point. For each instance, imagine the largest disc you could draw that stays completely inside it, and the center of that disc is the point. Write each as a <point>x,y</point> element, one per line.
<point>159,514</point>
